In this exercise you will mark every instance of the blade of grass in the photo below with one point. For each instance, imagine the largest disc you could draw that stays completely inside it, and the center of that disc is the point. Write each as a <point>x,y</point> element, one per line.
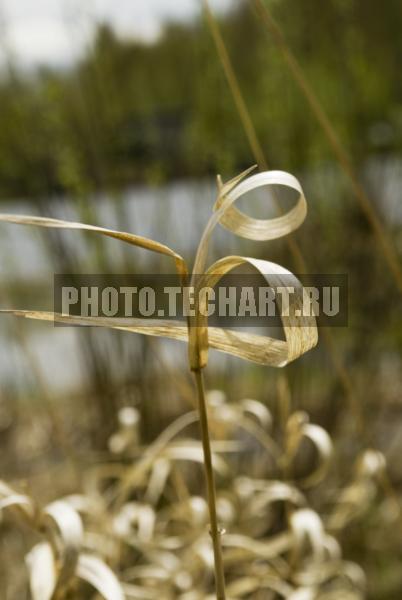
<point>129,238</point>
<point>259,349</point>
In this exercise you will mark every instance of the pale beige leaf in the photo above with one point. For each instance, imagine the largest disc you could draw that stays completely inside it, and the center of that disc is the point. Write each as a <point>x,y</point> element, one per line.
<point>324,447</point>
<point>157,480</point>
<point>10,498</point>
<point>129,238</point>
<point>308,532</point>
<point>371,463</point>
<point>234,415</point>
<point>42,571</point>
<point>194,453</point>
<point>261,229</point>
<point>255,348</point>
<point>245,226</point>
<point>269,548</point>
<point>252,585</point>
<point>298,428</point>
<point>259,410</point>
<point>298,321</point>
<point>69,535</point>
<point>95,572</point>
<point>303,594</point>
<point>332,570</point>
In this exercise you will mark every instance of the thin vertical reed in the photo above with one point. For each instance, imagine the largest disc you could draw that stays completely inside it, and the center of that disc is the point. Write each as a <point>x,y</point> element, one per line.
<point>211,488</point>
<point>365,203</point>
<point>259,156</point>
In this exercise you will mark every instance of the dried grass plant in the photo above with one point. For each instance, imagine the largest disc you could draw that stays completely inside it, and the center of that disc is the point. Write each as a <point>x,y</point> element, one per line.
<point>138,530</point>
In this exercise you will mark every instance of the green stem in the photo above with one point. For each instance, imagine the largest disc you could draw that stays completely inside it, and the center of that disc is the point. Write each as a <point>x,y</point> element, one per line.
<point>211,490</point>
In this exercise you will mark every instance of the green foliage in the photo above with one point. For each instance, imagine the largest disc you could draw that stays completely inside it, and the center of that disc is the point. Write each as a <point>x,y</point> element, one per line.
<point>134,112</point>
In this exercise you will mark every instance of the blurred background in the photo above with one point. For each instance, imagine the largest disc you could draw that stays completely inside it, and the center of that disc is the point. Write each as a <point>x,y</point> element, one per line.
<point>121,114</point>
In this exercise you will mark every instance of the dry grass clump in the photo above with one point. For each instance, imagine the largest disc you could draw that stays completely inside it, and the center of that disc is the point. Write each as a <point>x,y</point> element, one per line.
<point>139,528</point>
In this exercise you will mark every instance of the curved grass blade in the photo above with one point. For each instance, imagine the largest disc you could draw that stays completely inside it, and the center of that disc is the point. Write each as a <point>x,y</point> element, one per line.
<point>300,328</point>
<point>129,238</point>
<point>95,572</point>
<point>42,571</point>
<point>245,345</point>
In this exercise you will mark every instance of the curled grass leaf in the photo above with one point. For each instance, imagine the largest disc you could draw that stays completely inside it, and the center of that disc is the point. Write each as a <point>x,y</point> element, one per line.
<point>95,572</point>
<point>255,229</point>
<point>42,571</point>
<point>300,330</point>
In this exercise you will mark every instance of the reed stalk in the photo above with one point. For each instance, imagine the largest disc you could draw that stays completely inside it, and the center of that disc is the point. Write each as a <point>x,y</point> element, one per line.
<point>210,483</point>
<point>366,205</point>
<point>259,156</point>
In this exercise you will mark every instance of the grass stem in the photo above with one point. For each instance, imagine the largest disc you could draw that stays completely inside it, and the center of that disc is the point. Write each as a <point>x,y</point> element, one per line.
<point>367,206</point>
<point>211,489</point>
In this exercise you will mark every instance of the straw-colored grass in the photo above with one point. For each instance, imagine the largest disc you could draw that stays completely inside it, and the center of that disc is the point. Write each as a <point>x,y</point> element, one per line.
<point>138,531</point>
